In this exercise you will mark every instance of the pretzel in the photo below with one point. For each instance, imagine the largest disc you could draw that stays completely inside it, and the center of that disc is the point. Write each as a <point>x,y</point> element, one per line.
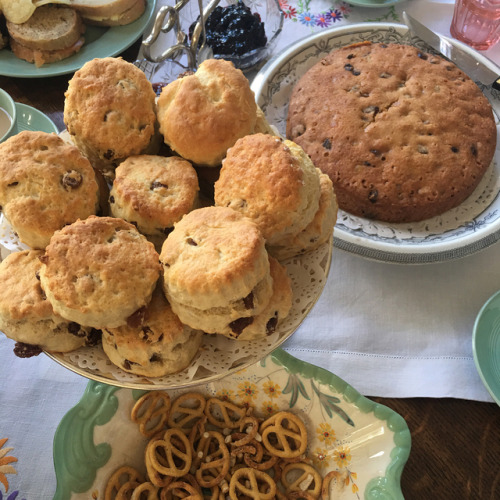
<point>155,477</point>
<point>216,459</point>
<point>145,488</point>
<point>186,410</point>
<point>170,456</point>
<point>180,489</point>
<point>261,487</point>
<point>306,479</point>
<point>228,415</point>
<point>252,430</point>
<point>151,412</point>
<point>120,477</point>
<point>333,475</point>
<point>284,428</point>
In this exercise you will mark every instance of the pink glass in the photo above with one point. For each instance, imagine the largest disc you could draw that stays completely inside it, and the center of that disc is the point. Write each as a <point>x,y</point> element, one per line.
<point>476,22</point>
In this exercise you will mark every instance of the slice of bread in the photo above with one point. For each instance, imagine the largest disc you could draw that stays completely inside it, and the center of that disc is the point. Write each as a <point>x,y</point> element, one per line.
<point>51,27</point>
<point>41,57</point>
<point>118,19</point>
<point>103,9</point>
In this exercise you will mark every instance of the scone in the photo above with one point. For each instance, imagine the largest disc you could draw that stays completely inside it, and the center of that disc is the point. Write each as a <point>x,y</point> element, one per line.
<point>272,182</point>
<point>157,345</point>
<point>99,271</point>
<point>154,192</point>
<point>215,263</point>
<point>317,232</point>
<point>109,111</point>
<point>44,185</point>
<point>277,309</point>
<point>404,135</point>
<point>26,315</point>
<point>203,114</point>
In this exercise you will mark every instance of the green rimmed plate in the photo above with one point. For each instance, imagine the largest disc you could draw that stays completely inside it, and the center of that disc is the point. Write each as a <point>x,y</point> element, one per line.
<point>99,42</point>
<point>486,345</point>
<point>366,442</point>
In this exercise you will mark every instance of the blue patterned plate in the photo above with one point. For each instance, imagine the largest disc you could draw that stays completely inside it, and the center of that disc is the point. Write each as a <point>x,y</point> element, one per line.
<point>367,443</point>
<point>472,226</point>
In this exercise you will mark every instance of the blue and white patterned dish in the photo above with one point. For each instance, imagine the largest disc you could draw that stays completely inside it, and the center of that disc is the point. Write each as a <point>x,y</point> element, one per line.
<point>367,443</point>
<point>472,226</point>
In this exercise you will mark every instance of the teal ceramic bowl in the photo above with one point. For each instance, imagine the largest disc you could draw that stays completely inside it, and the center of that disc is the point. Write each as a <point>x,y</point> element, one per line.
<point>7,116</point>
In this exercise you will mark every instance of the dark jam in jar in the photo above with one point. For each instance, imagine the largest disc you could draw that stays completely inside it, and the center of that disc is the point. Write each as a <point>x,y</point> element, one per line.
<point>233,30</point>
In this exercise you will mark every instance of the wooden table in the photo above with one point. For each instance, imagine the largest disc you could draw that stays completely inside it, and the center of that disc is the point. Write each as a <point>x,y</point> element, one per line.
<point>455,451</point>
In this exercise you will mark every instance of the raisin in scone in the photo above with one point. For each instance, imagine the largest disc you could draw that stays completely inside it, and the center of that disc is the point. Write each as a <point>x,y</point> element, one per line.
<point>44,185</point>
<point>109,111</point>
<point>154,345</point>
<point>215,268</point>
<point>272,182</point>
<point>99,271</point>
<point>404,135</point>
<point>26,315</point>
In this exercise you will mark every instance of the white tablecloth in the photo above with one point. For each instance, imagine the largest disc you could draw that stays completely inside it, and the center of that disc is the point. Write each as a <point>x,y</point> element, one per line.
<point>387,329</point>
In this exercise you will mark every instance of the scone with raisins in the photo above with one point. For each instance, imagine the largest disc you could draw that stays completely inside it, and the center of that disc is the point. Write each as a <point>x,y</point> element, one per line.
<point>153,192</point>
<point>109,111</point>
<point>26,315</point>
<point>99,271</point>
<point>155,344</point>
<point>44,185</point>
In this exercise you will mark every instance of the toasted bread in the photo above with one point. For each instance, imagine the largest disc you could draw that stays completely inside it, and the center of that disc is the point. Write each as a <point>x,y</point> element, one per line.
<point>109,12</point>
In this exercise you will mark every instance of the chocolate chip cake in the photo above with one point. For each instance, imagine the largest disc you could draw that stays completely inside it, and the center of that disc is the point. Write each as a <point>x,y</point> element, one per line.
<point>404,135</point>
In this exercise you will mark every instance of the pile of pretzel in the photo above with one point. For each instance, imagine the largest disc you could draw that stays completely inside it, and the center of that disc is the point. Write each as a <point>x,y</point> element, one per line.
<point>208,448</point>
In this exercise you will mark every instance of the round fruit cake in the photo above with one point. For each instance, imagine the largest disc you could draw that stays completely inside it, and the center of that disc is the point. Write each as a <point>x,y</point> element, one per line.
<point>404,135</point>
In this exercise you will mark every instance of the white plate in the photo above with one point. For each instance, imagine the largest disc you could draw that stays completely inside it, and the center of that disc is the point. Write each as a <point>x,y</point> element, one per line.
<point>367,443</point>
<point>472,226</point>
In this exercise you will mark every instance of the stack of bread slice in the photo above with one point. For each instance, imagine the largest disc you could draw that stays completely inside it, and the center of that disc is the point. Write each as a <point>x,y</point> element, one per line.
<point>52,33</point>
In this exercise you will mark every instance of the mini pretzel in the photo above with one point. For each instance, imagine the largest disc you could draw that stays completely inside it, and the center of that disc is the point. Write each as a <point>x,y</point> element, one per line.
<point>151,412</point>
<point>120,477</point>
<point>261,487</point>
<point>300,495</point>
<point>216,459</point>
<point>155,477</point>
<point>285,428</point>
<point>180,489</point>
<point>306,479</point>
<point>252,429</point>
<point>333,475</point>
<point>145,488</point>
<point>171,455</point>
<point>224,414</point>
<point>186,410</point>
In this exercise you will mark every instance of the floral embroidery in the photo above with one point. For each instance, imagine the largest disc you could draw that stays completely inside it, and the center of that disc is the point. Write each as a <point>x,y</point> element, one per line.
<point>5,468</point>
<point>320,458</point>
<point>303,14</point>
<point>225,394</point>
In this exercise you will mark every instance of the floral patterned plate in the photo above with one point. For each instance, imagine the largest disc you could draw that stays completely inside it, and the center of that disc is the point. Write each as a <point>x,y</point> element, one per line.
<point>366,442</point>
<point>472,226</point>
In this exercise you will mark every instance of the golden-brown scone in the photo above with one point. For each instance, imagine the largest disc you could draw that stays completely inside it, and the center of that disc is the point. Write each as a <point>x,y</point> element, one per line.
<point>109,111</point>
<point>157,345</point>
<point>25,314</point>
<point>99,271</point>
<point>213,257</point>
<point>203,114</point>
<point>153,192</point>
<point>44,185</point>
<point>271,181</point>
<point>278,308</point>
<point>317,232</point>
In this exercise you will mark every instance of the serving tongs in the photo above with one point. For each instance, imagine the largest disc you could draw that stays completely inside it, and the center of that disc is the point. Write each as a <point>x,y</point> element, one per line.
<point>167,20</point>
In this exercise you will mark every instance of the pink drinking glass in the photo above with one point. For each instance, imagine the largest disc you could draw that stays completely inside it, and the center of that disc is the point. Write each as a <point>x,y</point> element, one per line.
<point>476,23</point>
